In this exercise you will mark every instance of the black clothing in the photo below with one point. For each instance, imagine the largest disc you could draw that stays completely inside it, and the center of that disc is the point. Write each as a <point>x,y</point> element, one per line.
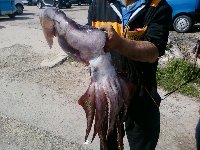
<point>158,20</point>
<point>197,135</point>
<point>143,117</point>
<point>142,125</point>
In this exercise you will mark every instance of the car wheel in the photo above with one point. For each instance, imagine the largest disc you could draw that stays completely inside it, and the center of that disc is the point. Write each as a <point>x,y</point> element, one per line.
<point>19,9</point>
<point>39,4</point>
<point>182,23</point>
<point>12,15</point>
<point>68,5</point>
<point>29,4</point>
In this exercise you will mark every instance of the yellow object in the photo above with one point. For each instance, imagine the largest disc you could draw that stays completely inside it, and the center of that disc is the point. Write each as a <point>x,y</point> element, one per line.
<point>155,3</point>
<point>116,26</point>
<point>134,35</point>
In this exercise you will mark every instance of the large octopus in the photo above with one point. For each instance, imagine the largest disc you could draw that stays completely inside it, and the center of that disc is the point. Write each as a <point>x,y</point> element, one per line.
<point>107,97</point>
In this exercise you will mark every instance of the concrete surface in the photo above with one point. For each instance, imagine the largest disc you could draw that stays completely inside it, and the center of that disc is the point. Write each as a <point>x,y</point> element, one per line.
<point>39,109</point>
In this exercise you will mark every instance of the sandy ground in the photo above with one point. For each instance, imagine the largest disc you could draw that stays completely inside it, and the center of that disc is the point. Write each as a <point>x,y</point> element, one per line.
<point>39,109</point>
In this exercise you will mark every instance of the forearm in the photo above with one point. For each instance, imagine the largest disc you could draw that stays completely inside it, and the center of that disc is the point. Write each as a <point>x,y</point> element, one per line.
<point>143,51</point>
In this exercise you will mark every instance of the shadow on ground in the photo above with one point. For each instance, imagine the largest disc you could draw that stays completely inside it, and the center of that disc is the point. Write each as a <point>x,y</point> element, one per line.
<point>5,18</point>
<point>195,28</point>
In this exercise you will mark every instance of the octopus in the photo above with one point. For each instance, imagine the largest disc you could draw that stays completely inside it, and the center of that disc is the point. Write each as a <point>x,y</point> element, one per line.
<point>107,98</point>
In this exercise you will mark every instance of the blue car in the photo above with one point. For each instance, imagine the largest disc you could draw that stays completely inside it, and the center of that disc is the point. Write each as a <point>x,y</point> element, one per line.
<point>185,14</point>
<point>7,7</point>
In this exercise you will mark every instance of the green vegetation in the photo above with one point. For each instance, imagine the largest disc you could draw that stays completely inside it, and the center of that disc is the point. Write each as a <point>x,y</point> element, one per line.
<point>70,59</point>
<point>178,72</point>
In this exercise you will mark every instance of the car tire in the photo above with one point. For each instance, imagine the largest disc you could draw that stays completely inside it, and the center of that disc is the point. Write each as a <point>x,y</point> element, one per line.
<point>12,15</point>
<point>68,5</point>
<point>39,4</point>
<point>182,23</point>
<point>29,4</point>
<point>20,9</point>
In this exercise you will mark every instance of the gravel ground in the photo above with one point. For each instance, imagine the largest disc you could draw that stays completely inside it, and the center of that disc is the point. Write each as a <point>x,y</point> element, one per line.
<point>39,109</point>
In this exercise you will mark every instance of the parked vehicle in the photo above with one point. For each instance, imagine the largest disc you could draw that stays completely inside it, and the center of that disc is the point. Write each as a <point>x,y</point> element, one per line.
<point>185,14</point>
<point>7,7</point>
<point>25,2</point>
<point>54,3</point>
<point>31,2</point>
<point>20,6</point>
<point>79,2</point>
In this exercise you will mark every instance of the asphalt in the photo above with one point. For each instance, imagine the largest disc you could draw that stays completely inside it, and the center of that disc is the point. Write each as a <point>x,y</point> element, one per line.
<point>37,114</point>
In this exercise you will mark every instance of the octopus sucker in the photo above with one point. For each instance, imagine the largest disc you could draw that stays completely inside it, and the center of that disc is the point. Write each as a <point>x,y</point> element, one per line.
<point>106,100</point>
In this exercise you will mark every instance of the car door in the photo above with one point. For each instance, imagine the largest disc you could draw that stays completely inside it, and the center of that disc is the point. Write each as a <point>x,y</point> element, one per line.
<point>7,7</point>
<point>182,6</point>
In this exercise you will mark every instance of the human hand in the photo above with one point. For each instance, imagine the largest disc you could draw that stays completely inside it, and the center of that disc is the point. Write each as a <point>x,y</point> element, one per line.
<point>196,49</point>
<point>113,39</point>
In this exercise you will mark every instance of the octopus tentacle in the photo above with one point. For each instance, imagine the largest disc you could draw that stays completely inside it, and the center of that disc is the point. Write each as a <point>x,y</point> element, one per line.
<point>87,101</point>
<point>119,127</point>
<point>101,122</point>
<point>101,111</point>
<point>115,99</point>
<point>112,106</point>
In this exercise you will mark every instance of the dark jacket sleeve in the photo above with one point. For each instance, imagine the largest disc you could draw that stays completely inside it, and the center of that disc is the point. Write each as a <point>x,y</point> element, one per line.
<point>159,26</point>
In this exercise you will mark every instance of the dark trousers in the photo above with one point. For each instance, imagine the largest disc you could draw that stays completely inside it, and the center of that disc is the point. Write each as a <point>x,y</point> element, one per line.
<point>142,125</point>
<point>197,135</point>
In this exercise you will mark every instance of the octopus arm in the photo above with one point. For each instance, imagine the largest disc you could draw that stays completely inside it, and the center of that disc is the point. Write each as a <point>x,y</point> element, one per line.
<point>87,101</point>
<point>101,116</point>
